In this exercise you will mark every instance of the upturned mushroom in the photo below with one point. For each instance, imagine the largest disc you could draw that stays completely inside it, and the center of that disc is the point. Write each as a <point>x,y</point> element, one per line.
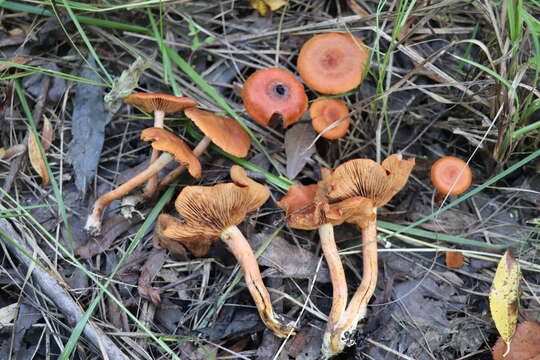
<point>271,92</point>
<point>377,184</point>
<point>451,176</point>
<point>160,105</point>
<point>307,209</point>
<point>332,63</point>
<point>326,113</point>
<point>213,212</point>
<point>224,132</point>
<point>172,148</point>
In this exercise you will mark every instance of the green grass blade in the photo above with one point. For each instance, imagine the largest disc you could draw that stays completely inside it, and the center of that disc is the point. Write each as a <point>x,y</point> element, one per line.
<point>34,69</point>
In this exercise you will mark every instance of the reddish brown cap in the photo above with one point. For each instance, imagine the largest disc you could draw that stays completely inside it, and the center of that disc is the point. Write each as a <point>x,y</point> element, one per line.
<point>454,259</point>
<point>451,175</point>
<point>326,112</point>
<point>332,63</point>
<point>525,343</point>
<point>272,92</point>
<point>163,140</point>
<point>224,132</point>
<point>167,103</point>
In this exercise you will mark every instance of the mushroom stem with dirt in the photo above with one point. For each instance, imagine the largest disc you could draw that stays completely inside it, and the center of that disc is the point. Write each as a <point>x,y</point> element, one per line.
<point>173,148</point>
<point>160,105</point>
<point>376,184</point>
<point>213,212</point>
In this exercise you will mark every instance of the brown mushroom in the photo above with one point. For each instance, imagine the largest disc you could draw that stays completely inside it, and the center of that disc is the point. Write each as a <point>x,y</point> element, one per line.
<point>332,63</point>
<point>224,132</point>
<point>173,148</point>
<point>378,183</point>
<point>213,212</point>
<point>271,92</point>
<point>160,105</point>
<point>525,344</point>
<point>326,113</point>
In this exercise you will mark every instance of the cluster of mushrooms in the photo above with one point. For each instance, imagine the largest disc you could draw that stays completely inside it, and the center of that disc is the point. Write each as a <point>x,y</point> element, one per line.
<point>330,64</point>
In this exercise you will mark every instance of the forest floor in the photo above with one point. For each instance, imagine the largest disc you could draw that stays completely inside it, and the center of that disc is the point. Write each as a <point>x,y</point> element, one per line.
<point>448,77</point>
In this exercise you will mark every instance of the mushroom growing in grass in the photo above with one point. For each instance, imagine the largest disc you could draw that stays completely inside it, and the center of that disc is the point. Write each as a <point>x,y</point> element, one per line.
<point>377,183</point>
<point>213,212</point>
<point>271,92</point>
<point>172,148</point>
<point>307,209</point>
<point>324,113</point>
<point>225,133</point>
<point>451,176</point>
<point>160,105</point>
<point>332,63</point>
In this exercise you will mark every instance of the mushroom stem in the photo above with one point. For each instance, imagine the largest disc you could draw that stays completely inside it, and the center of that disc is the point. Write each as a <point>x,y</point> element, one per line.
<point>240,248</point>
<point>197,151</point>
<point>337,276</point>
<point>357,308</point>
<point>152,184</point>
<point>93,223</point>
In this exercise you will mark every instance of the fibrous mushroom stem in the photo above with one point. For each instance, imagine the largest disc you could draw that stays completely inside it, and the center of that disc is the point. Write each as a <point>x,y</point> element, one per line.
<point>93,223</point>
<point>357,308</point>
<point>240,248</point>
<point>152,184</point>
<point>337,276</point>
<point>197,151</point>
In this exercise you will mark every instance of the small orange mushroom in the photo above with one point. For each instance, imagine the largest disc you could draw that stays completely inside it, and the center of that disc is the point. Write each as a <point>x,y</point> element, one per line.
<point>173,148</point>
<point>271,92</point>
<point>332,63</point>
<point>324,113</point>
<point>160,105</point>
<point>525,344</point>
<point>213,212</point>
<point>376,184</point>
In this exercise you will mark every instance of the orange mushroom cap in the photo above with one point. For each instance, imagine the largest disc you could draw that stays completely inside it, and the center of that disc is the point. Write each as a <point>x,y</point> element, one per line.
<point>326,112</point>
<point>169,104</point>
<point>209,210</point>
<point>166,141</point>
<point>224,132</point>
<point>451,175</point>
<point>332,63</point>
<point>270,92</point>
<point>525,343</point>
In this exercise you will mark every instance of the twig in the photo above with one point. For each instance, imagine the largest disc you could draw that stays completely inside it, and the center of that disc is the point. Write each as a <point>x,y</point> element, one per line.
<point>50,286</point>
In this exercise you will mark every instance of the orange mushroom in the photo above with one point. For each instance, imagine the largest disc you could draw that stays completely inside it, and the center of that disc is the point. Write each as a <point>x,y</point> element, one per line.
<point>325,113</point>
<point>271,92</point>
<point>525,344</point>
<point>160,105</point>
<point>332,63</point>
<point>376,184</point>
<point>213,212</point>
<point>224,132</point>
<point>173,148</point>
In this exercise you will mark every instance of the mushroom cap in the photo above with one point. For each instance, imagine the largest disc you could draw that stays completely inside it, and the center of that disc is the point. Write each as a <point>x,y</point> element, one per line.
<point>164,140</point>
<point>451,175</point>
<point>197,244</point>
<point>169,104</point>
<point>273,91</point>
<point>224,132</point>
<point>525,343</point>
<point>368,179</point>
<point>454,259</point>
<point>332,63</point>
<point>209,210</point>
<point>325,112</point>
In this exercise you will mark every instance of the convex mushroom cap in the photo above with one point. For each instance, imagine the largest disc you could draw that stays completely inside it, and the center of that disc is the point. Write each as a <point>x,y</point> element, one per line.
<point>271,92</point>
<point>332,63</point>
<point>451,175</point>
<point>326,112</point>
<point>150,102</point>
<point>224,132</point>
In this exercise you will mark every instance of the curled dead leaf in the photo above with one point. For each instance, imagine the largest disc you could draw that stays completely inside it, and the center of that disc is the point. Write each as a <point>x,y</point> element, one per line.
<point>37,161</point>
<point>47,135</point>
<point>504,296</point>
<point>12,152</point>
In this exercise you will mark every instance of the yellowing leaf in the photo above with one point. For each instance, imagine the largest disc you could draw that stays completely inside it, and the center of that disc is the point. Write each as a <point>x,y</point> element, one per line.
<point>264,6</point>
<point>504,296</point>
<point>275,4</point>
<point>2,152</point>
<point>36,160</point>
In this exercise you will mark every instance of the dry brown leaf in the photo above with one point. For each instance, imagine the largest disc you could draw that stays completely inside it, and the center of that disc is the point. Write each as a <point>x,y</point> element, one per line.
<point>37,161</point>
<point>12,152</point>
<point>21,60</point>
<point>265,6</point>
<point>47,135</point>
<point>504,296</point>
